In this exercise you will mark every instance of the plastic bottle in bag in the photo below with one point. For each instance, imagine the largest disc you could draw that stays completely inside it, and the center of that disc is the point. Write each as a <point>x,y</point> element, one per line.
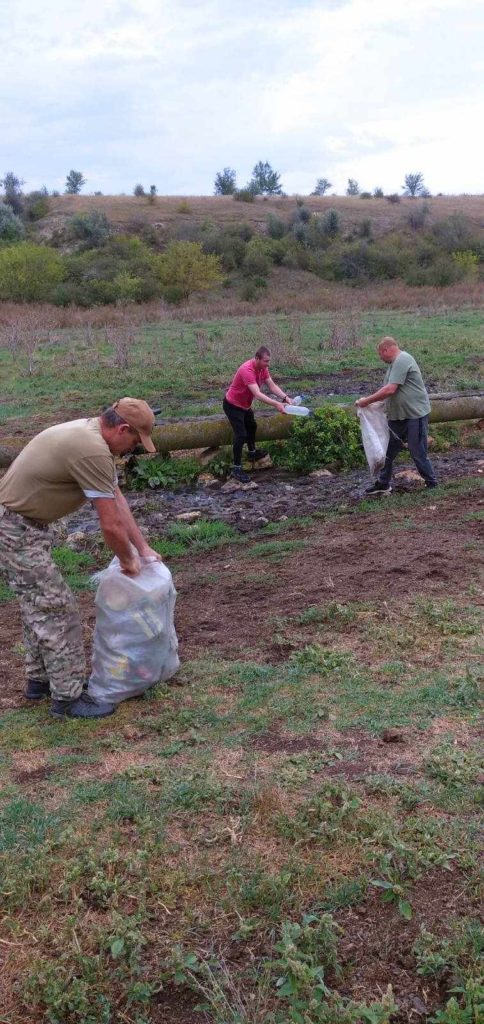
<point>135,643</point>
<point>296,410</point>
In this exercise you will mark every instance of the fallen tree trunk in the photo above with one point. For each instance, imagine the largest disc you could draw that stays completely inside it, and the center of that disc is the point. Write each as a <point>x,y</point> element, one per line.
<point>215,431</point>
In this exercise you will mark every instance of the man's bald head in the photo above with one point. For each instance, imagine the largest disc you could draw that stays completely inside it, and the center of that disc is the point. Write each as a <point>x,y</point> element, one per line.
<point>388,349</point>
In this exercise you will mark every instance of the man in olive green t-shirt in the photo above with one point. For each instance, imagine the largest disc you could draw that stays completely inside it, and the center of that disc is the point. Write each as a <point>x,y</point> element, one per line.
<point>60,469</point>
<point>407,409</point>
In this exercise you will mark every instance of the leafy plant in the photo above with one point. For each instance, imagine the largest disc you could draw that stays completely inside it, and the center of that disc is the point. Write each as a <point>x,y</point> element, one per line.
<point>184,265</point>
<point>393,886</point>
<point>162,471</point>
<point>331,436</point>
<point>29,272</point>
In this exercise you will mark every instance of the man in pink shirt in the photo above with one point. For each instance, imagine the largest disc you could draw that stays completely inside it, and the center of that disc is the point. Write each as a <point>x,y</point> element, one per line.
<point>246,386</point>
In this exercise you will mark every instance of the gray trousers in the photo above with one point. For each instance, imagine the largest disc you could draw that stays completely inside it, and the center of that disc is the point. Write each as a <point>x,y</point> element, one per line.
<point>413,432</point>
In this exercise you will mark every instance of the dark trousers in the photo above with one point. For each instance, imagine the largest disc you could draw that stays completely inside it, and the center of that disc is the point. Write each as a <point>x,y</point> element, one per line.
<point>244,427</point>
<point>414,432</point>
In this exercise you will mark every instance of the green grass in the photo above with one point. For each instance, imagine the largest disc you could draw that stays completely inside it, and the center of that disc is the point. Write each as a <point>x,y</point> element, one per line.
<point>203,535</point>
<point>6,594</point>
<point>75,566</point>
<point>446,346</point>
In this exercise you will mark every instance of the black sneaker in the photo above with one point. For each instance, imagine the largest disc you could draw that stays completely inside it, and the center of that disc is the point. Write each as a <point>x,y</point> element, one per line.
<point>256,455</point>
<point>378,488</point>
<point>37,689</point>
<point>239,474</point>
<point>83,706</point>
<point>430,487</point>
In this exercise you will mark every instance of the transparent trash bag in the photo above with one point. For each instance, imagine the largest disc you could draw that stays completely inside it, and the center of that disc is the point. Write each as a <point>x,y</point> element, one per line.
<point>135,643</point>
<point>374,434</point>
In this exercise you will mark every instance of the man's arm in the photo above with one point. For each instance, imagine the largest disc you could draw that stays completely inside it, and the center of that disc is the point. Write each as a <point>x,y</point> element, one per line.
<point>115,534</point>
<point>378,396</point>
<point>132,529</point>
<point>257,393</point>
<point>121,533</point>
<point>275,389</point>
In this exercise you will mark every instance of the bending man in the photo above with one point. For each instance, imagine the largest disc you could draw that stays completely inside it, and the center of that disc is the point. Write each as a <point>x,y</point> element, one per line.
<point>60,469</point>
<point>407,409</point>
<point>245,386</point>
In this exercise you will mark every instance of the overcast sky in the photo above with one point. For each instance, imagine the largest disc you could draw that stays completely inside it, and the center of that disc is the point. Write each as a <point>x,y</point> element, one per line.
<point>168,92</point>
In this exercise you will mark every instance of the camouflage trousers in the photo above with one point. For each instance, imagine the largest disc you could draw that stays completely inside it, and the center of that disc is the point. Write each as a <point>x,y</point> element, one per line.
<point>52,628</point>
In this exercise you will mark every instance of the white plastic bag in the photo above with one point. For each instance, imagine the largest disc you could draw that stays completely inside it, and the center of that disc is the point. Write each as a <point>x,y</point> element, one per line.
<point>374,434</point>
<point>135,643</point>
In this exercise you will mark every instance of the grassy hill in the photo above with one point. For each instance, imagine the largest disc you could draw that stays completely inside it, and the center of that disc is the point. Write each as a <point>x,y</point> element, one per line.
<point>169,212</point>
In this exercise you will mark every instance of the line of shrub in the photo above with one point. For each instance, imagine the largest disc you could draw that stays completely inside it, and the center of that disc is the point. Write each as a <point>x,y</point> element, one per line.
<point>92,265</point>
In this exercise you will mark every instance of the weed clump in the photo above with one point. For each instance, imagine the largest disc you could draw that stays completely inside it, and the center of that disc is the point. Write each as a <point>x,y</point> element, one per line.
<point>331,437</point>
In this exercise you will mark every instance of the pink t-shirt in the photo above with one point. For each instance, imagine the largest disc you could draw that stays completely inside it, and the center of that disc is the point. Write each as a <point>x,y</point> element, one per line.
<point>239,392</point>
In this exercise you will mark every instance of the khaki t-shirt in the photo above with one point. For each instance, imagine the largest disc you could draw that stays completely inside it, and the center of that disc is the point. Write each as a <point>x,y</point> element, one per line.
<point>410,400</point>
<point>58,470</point>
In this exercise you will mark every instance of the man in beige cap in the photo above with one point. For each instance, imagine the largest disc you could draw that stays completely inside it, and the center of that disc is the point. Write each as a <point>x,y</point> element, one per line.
<point>60,469</point>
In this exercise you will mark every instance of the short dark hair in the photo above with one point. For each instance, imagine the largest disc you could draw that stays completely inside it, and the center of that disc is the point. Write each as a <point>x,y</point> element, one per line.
<point>110,418</point>
<point>262,351</point>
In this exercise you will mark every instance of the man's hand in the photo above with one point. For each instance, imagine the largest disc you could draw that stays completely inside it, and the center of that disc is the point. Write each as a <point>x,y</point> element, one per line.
<point>130,566</point>
<point>362,402</point>
<point>280,407</point>
<point>150,553</point>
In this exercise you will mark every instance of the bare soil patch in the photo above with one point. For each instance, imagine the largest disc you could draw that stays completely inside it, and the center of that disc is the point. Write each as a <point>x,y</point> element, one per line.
<point>377,943</point>
<point>355,558</point>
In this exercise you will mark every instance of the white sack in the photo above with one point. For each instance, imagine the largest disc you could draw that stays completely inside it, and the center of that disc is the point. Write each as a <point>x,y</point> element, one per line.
<point>135,643</point>
<point>374,434</point>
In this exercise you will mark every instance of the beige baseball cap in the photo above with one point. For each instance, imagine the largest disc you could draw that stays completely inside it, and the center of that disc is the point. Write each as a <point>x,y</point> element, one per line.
<point>138,414</point>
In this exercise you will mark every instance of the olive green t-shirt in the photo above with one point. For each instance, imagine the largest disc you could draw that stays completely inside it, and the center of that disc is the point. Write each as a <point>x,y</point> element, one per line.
<point>58,470</point>
<point>410,400</point>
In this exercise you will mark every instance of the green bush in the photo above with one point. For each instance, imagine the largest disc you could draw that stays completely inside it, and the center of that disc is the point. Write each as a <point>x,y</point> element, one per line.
<point>331,223</point>
<point>467,263</point>
<point>300,233</point>
<point>29,273</point>
<point>388,258</point>
<point>454,233</point>
<point>251,288</point>
<point>36,205</point>
<point>418,216</point>
<point>92,228</point>
<point>124,269</point>
<point>226,245</point>
<point>244,195</point>
<point>276,228</point>
<point>11,226</point>
<point>184,265</point>
<point>331,436</point>
<point>174,295</point>
<point>256,260</point>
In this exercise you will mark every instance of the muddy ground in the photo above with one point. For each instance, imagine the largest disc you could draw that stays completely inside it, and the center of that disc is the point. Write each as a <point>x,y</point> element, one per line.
<point>430,549</point>
<point>277,494</point>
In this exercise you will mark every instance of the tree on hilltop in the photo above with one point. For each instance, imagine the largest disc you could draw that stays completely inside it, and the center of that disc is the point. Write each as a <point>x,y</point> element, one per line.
<point>12,187</point>
<point>415,185</point>
<point>225,182</point>
<point>322,186</point>
<point>74,182</point>
<point>265,181</point>
<point>352,188</point>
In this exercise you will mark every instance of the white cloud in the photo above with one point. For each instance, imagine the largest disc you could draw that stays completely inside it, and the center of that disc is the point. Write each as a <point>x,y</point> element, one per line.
<point>172,91</point>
